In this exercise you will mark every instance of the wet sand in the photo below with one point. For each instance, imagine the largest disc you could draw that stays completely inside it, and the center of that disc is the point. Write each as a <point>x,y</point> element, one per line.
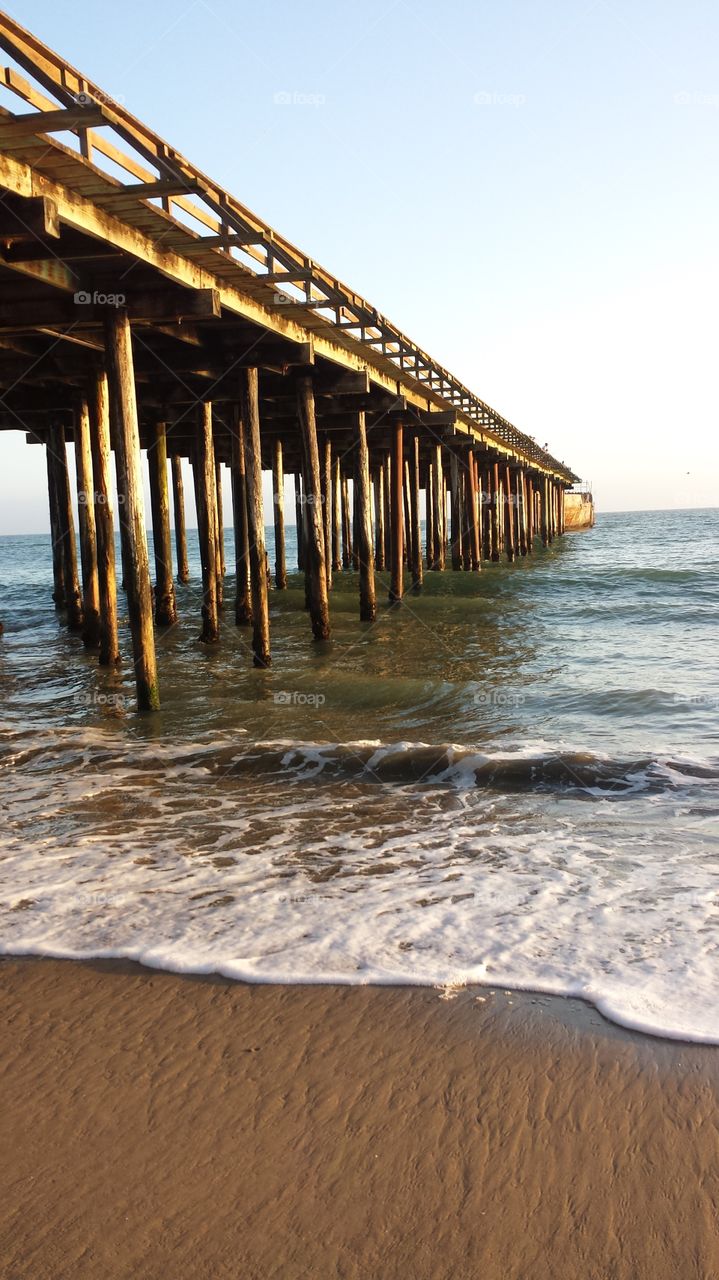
<point>162,1127</point>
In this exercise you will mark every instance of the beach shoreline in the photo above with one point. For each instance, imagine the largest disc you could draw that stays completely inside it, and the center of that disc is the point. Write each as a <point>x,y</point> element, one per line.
<point>159,1124</point>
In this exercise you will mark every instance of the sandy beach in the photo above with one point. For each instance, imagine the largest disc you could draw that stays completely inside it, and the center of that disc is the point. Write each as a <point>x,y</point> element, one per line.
<point>156,1125</point>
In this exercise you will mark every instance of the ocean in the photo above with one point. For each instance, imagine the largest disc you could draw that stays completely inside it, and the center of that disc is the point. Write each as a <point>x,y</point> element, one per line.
<point>512,779</point>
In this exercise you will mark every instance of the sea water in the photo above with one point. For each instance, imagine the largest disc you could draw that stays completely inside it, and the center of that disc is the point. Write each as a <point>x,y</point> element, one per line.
<point>510,779</point>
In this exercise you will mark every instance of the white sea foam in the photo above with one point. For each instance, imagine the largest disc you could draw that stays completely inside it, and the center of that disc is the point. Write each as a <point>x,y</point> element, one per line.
<point>179,857</point>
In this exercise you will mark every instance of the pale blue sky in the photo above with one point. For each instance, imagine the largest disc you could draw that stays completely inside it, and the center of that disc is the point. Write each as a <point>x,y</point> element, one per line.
<point>529,189</point>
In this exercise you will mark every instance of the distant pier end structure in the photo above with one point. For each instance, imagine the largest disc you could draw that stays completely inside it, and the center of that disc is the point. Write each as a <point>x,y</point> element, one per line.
<point>143,308</point>
<point>579,507</point>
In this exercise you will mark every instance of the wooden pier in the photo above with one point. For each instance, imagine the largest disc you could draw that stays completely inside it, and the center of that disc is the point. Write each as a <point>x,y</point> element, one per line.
<point>143,308</point>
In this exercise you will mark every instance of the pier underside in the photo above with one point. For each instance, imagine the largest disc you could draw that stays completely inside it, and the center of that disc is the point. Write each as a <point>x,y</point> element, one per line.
<point>144,310</point>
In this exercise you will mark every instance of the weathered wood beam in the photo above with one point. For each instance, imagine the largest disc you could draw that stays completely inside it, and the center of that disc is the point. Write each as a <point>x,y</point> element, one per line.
<point>165,605</point>
<point>455,511</point>
<point>100,443</point>
<point>509,511</point>
<point>416,557</point>
<point>206,497</point>
<point>278,501</point>
<point>396,589</point>
<point>66,528</point>
<point>220,528</point>
<point>58,572</point>
<point>50,271</point>
<point>147,190</point>
<point>90,307</point>
<point>336,514</point>
<point>365,550</point>
<point>178,507</point>
<point>30,123</point>
<point>87,527</point>
<point>299,524</point>
<point>379,506</point>
<point>250,415</point>
<point>33,219</point>
<point>243,587</point>
<point>123,401</point>
<point>326,477</point>
<point>315,562</point>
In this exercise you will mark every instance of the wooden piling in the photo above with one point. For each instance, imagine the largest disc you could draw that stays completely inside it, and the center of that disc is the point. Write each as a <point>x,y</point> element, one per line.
<point>417,569</point>
<point>86,524</point>
<point>299,520</point>
<point>379,505</point>
<point>483,512</point>
<point>355,512</point>
<point>396,590</point>
<point>250,416</point>
<point>58,592</point>
<point>221,565</point>
<point>521,505</point>
<point>544,510</point>
<point>336,516</point>
<point>484,484</point>
<point>455,511</point>
<point>206,495</point>
<point>306,542</point>
<point>278,507</point>
<point>472,511</point>
<point>165,607</point>
<point>123,402</point>
<point>509,514</point>
<point>99,408</point>
<point>387,523</point>
<point>327,507</point>
<point>438,508</point>
<point>407,513</point>
<point>178,507</point>
<point>368,599</point>
<point>66,528</point>
<point>346,525</point>
<point>495,511</point>
<point>243,590</point>
<point>529,506</point>
<point>315,550</point>
<point>463,490</point>
<point>429,518</point>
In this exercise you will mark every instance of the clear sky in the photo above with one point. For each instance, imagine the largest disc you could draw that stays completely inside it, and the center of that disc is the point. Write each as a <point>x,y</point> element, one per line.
<point>528,187</point>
